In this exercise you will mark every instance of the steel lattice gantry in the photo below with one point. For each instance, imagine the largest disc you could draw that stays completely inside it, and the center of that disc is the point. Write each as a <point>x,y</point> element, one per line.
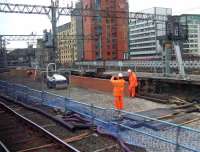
<point>21,37</point>
<point>67,11</point>
<point>35,37</point>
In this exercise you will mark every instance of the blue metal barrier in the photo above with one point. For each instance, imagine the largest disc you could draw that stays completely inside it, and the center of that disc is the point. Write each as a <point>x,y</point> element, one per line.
<point>152,134</point>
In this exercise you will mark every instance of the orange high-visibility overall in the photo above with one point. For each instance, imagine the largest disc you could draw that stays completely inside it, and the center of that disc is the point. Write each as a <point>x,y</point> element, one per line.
<point>133,83</point>
<point>118,92</point>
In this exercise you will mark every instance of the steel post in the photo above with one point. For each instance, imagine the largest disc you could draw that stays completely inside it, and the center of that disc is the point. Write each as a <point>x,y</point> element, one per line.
<point>53,56</point>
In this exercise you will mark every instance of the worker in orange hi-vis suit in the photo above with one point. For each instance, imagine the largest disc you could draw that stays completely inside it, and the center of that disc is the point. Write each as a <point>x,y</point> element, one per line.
<point>118,91</point>
<point>133,83</point>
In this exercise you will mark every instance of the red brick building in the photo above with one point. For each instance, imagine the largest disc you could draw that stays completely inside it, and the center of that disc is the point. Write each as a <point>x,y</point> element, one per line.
<point>111,34</point>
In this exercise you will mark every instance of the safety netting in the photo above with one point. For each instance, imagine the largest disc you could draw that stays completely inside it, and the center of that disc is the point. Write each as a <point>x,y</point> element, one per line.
<point>152,134</point>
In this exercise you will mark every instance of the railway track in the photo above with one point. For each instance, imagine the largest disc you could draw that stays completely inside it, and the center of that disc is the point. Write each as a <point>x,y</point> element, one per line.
<point>24,129</point>
<point>23,135</point>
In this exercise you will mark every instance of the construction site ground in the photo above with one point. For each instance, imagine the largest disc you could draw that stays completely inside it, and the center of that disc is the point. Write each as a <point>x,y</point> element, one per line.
<point>94,97</point>
<point>89,96</point>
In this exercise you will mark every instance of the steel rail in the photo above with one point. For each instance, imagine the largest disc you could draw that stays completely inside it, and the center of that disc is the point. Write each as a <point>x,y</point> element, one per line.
<point>3,147</point>
<point>39,128</point>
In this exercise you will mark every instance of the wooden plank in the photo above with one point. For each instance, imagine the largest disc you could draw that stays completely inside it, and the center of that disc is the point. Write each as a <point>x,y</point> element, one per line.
<point>157,113</point>
<point>185,119</point>
<point>77,138</point>
<point>106,148</point>
<point>68,140</point>
<point>37,148</point>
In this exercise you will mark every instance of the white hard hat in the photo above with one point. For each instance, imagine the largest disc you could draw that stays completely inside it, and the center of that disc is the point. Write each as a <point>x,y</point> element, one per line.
<point>129,70</point>
<point>120,75</point>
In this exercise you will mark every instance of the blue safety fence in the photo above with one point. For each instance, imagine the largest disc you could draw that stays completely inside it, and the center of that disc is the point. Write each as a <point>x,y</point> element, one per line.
<point>154,135</point>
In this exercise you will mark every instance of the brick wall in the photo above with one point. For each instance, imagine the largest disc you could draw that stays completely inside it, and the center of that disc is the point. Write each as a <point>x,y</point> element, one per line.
<point>94,84</point>
<point>22,73</point>
<point>114,32</point>
<point>18,72</point>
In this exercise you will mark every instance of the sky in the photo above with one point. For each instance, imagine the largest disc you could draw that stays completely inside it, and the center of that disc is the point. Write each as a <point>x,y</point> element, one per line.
<point>26,24</point>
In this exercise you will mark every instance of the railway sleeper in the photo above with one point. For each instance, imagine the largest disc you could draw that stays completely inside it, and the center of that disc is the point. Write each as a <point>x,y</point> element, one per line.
<point>38,129</point>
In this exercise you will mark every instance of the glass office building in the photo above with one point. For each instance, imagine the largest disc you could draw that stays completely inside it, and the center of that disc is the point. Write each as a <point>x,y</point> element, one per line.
<point>143,34</point>
<point>192,46</point>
